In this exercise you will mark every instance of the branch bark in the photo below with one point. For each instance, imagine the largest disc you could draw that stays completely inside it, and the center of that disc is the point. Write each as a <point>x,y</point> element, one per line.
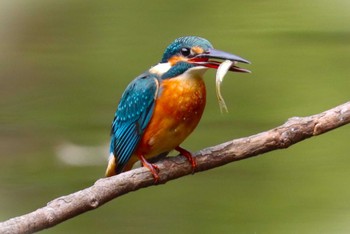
<point>294,130</point>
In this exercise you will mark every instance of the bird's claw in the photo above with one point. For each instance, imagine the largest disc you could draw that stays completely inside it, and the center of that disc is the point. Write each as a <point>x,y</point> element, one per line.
<point>154,170</point>
<point>152,167</point>
<point>190,158</point>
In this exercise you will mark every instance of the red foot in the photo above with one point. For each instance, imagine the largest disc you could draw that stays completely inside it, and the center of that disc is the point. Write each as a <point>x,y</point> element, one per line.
<point>152,167</point>
<point>189,157</point>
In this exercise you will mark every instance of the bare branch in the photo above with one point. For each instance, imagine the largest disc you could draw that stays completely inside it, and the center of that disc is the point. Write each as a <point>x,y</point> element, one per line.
<point>294,130</point>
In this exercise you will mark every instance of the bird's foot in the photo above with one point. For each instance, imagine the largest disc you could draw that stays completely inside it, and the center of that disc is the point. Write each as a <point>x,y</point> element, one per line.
<point>189,157</point>
<point>152,167</point>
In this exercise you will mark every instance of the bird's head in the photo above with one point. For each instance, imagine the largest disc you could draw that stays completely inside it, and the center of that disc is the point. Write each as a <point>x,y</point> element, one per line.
<point>195,52</point>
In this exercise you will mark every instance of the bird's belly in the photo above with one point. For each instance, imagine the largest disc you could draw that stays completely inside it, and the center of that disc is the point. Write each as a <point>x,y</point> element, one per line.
<point>178,110</point>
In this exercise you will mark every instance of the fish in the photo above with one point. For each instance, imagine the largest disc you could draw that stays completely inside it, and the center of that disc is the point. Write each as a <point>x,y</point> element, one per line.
<point>220,74</point>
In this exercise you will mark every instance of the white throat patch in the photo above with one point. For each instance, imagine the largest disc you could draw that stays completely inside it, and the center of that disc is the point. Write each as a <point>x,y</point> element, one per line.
<point>160,68</point>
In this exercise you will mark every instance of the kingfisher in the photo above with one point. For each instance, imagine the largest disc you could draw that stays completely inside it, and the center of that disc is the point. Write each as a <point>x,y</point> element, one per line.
<point>161,107</point>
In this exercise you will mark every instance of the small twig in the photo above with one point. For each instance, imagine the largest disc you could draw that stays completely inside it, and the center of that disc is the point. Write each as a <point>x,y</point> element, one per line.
<point>294,130</point>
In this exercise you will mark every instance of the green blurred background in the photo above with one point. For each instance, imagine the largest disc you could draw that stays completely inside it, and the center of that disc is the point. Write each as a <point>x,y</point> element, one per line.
<point>64,65</point>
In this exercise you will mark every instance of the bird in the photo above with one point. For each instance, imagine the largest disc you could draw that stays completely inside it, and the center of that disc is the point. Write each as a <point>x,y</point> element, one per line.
<point>161,107</point>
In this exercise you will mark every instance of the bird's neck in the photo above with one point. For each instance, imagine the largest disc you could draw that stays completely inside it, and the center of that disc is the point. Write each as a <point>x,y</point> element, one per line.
<point>193,74</point>
<point>166,71</point>
<point>160,68</point>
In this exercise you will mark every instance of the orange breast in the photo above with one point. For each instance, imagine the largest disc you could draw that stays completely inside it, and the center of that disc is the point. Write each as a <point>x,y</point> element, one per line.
<point>178,109</point>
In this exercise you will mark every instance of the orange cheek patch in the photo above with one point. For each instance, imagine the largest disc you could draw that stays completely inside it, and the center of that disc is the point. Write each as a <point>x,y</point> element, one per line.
<point>197,50</point>
<point>175,59</point>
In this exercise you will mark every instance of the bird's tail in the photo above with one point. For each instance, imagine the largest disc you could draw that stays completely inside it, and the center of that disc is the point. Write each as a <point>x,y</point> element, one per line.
<point>112,165</point>
<point>114,169</point>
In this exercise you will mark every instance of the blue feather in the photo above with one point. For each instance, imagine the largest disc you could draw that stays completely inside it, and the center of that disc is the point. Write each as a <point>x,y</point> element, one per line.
<point>177,70</point>
<point>133,114</point>
<point>181,42</point>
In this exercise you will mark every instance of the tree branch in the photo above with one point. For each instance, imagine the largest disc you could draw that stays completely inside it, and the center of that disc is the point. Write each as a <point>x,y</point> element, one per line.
<point>294,130</point>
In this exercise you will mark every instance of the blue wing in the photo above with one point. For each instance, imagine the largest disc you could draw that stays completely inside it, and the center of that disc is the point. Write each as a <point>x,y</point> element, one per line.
<point>133,114</point>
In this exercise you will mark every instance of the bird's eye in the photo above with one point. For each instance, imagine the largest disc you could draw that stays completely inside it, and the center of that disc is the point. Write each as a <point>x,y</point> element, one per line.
<point>185,51</point>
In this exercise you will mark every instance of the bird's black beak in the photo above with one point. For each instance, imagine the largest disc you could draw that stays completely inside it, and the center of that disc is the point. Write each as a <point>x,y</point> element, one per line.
<point>206,59</point>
